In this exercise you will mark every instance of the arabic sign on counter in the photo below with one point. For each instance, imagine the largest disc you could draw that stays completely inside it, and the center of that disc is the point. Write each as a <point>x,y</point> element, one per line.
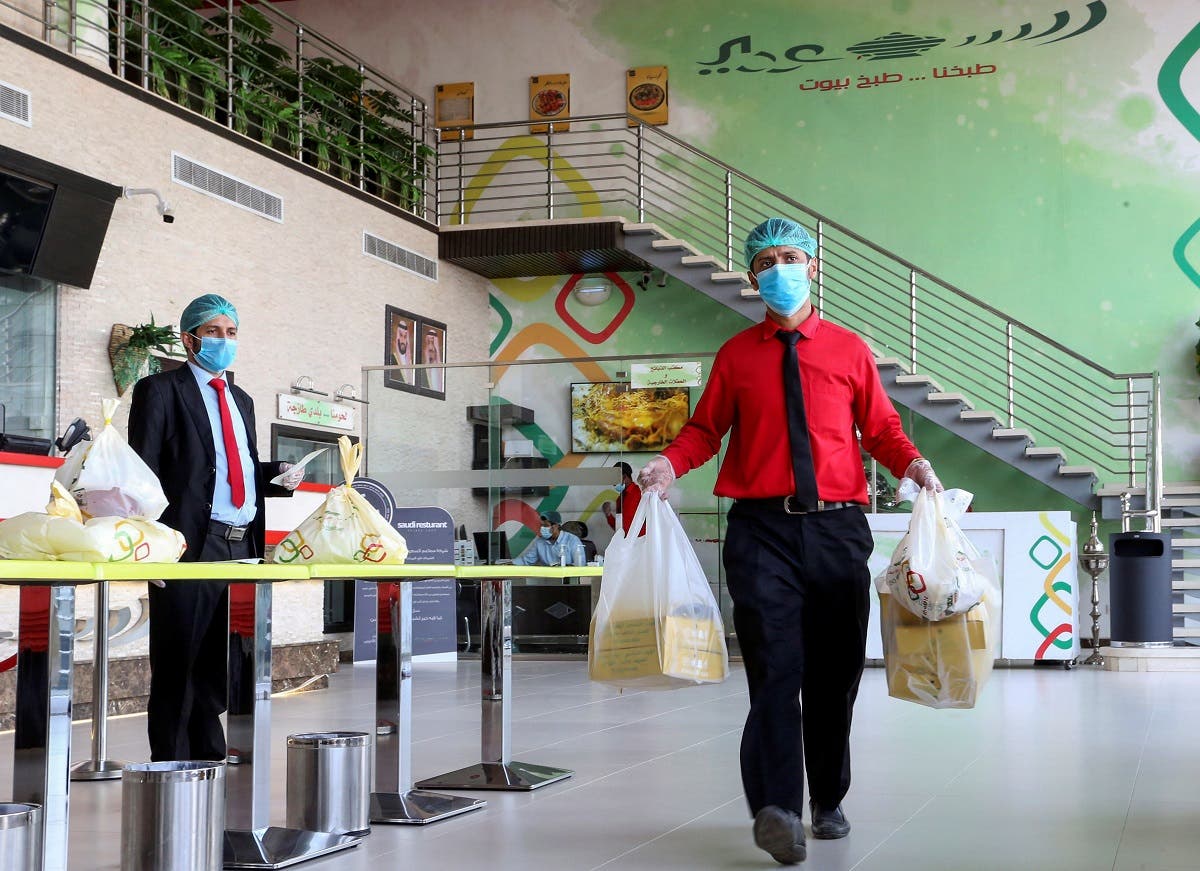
<point>665,375</point>
<point>550,98</point>
<point>646,95</point>
<point>454,106</point>
<point>315,412</point>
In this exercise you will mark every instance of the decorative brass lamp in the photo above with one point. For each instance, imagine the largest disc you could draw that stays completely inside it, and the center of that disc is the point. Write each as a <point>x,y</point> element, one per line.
<point>1093,559</point>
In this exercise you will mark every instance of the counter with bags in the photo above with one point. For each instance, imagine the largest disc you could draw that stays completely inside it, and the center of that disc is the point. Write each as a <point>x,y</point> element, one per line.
<point>1037,558</point>
<point>346,528</point>
<point>656,625</point>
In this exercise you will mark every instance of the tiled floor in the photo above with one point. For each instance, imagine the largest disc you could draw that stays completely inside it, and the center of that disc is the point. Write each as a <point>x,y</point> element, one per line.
<point>1070,771</point>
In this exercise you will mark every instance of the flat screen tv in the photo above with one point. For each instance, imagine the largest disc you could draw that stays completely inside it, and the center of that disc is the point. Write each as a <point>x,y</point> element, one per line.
<point>611,417</point>
<point>24,205</point>
<point>52,219</point>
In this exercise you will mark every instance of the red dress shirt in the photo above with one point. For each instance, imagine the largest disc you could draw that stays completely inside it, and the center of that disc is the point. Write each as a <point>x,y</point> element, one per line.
<point>627,504</point>
<point>745,397</point>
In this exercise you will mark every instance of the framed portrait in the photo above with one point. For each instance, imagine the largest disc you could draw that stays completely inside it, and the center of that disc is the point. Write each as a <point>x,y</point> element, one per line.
<point>431,348</point>
<point>400,348</point>
<point>408,340</point>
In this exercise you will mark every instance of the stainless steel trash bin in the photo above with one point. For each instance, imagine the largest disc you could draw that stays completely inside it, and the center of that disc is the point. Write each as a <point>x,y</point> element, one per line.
<point>329,782</point>
<point>172,816</point>
<point>21,836</point>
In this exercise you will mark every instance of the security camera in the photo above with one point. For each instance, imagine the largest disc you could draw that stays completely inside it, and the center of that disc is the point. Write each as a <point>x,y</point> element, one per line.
<point>162,206</point>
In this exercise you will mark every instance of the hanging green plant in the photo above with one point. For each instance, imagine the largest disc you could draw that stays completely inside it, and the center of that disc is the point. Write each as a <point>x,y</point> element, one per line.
<point>129,351</point>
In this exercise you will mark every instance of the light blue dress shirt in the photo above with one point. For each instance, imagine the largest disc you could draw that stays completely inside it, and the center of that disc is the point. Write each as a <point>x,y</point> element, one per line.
<point>223,508</point>
<point>544,552</point>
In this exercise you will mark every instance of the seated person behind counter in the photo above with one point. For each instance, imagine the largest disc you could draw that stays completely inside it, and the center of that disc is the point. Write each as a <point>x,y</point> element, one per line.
<point>552,543</point>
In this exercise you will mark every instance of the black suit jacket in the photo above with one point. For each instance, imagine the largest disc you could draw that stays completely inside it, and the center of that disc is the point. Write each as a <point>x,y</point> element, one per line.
<point>169,429</point>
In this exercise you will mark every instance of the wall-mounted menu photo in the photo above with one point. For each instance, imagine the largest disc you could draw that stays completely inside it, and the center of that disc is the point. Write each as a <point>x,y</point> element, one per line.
<point>610,417</point>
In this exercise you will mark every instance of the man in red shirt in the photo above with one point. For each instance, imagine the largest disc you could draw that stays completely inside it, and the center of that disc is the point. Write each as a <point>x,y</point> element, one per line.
<point>797,542</point>
<point>629,494</point>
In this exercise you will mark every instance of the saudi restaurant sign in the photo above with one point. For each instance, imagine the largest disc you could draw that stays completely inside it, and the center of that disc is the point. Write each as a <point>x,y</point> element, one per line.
<point>315,412</point>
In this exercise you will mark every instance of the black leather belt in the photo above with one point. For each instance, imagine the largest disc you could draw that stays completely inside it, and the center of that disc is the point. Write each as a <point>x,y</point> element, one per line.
<point>227,532</point>
<point>788,505</point>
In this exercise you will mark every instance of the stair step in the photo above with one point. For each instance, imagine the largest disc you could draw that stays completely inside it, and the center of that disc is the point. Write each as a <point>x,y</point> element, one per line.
<point>1185,563</point>
<point>727,277</point>
<point>1176,522</point>
<point>1181,608</point>
<point>950,397</point>
<point>1012,434</point>
<point>1185,542</point>
<point>644,229</point>
<point>1181,586</point>
<point>673,245</point>
<point>888,363</point>
<point>1035,453</point>
<point>1181,502</point>
<point>749,292</point>
<point>700,260</point>
<point>1186,632</point>
<point>1076,471</point>
<point>977,416</point>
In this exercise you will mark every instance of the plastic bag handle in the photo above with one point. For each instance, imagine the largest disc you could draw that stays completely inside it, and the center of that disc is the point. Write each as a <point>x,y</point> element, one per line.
<point>351,458</point>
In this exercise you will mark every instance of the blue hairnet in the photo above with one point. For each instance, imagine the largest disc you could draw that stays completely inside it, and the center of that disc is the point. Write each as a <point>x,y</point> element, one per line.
<point>778,231</point>
<point>203,309</point>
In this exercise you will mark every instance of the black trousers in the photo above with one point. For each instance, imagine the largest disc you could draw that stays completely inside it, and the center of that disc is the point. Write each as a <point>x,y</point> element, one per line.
<point>189,643</point>
<point>800,588</point>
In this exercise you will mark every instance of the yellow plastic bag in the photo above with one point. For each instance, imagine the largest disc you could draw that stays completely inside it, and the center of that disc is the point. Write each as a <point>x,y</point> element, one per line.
<point>346,529</point>
<point>108,478</point>
<point>657,625</point>
<point>61,534</point>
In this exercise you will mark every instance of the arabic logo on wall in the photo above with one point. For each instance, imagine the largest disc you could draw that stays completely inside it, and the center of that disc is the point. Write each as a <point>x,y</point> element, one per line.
<point>737,54</point>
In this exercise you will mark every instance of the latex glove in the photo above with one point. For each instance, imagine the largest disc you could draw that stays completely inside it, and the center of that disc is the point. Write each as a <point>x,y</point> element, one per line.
<point>157,583</point>
<point>292,481</point>
<point>921,471</point>
<point>657,476</point>
<point>607,509</point>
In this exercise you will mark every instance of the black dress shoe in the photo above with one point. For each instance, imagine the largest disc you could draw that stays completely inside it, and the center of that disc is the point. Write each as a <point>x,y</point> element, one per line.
<point>828,824</point>
<point>781,834</point>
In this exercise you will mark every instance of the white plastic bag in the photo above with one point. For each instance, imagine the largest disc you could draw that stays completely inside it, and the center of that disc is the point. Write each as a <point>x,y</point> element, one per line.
<point>346,529</point>
<point>60,533</point>
<point>108,478</point>
<point>935,571</point>
<point>656,625</point>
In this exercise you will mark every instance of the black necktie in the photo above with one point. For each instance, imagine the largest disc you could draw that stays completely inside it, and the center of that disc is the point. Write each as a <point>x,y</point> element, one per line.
<point>793,394</point>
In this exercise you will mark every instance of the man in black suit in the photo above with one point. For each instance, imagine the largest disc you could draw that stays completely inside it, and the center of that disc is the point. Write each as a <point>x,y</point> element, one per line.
<point>202,448</point>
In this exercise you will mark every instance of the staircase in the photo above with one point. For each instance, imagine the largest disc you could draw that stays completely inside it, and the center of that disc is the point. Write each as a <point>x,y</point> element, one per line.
<point>638,198</point>
<point>1181,518</point>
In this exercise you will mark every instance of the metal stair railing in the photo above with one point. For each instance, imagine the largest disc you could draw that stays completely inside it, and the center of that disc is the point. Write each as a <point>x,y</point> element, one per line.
<point>612,165</point>
<point>261,73</point>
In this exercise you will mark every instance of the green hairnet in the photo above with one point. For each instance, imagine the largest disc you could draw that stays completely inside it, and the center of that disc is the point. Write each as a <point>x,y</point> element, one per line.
<point>778,231</point>
<point>203,309</point>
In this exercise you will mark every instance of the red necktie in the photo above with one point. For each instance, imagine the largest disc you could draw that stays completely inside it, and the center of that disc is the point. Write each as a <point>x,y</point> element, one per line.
<point>237,485</point>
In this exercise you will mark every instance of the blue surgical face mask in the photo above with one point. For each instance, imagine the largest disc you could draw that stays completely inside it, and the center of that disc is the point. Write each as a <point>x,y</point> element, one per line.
<point>216,355</point>
<point>544,532</point>
<point>784,287</point>
<point>620,488</point>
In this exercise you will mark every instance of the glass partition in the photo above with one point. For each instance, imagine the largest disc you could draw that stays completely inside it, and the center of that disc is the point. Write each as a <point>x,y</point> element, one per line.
<point>513,441</point>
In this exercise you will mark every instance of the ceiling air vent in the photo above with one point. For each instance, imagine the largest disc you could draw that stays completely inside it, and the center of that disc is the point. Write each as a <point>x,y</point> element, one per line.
<point>15,104</point>
<point>224,187</point>
<point>390,252</point>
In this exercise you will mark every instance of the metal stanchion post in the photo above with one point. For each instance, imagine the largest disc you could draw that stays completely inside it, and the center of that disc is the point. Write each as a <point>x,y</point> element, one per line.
<point>496,768</point>
<point>396,801</point>
<point>99,767</point>
<point>249,841</point>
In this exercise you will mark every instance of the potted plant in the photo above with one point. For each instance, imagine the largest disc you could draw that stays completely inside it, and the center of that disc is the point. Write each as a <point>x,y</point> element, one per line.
<point>129,350</point>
